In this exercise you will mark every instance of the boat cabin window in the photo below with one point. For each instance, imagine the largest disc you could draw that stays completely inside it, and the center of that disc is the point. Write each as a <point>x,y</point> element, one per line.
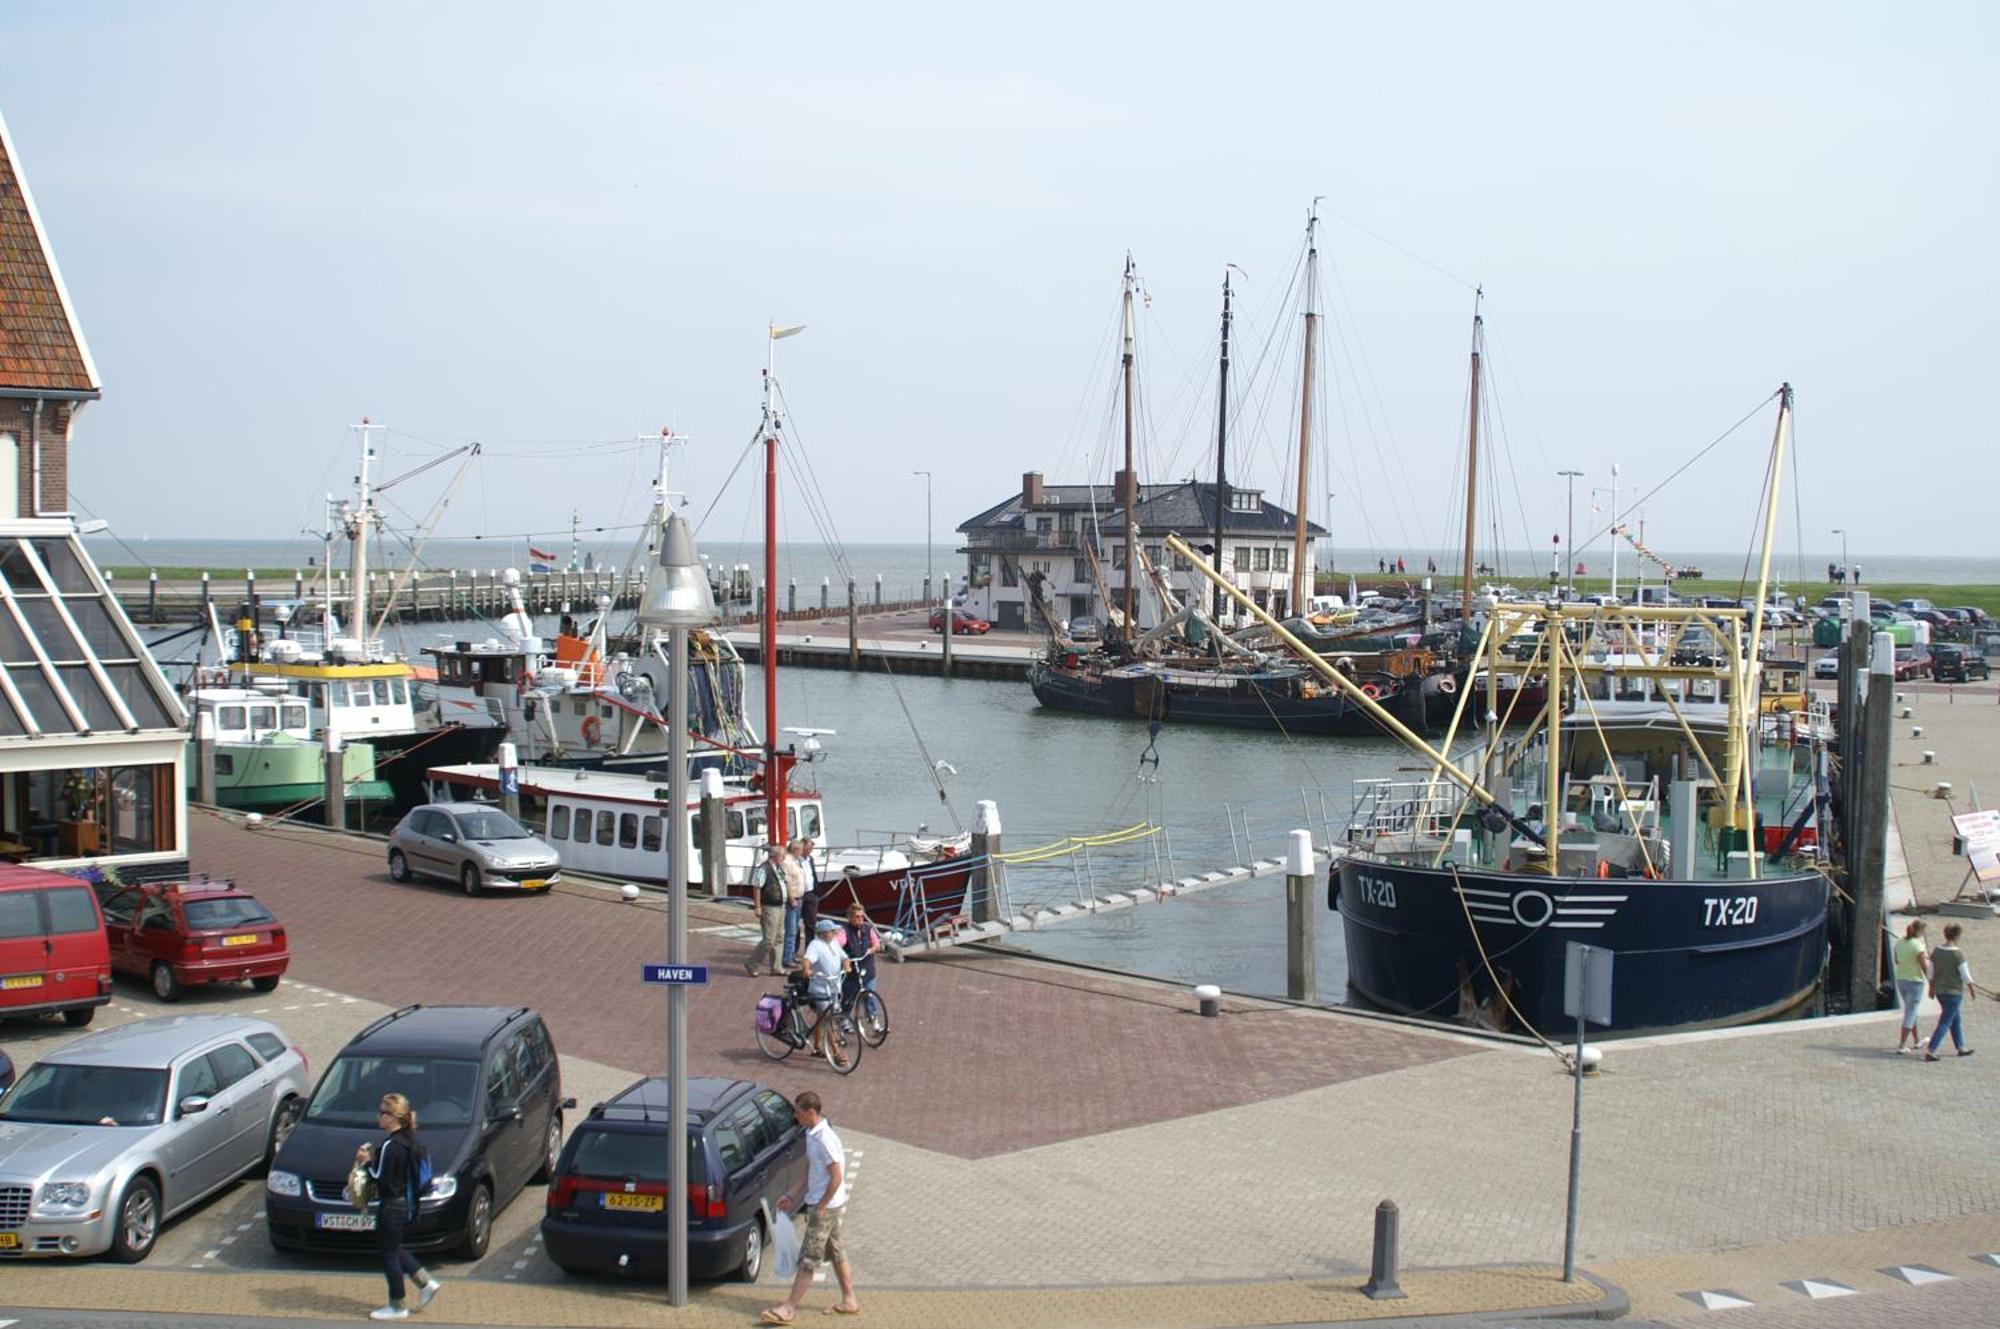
<point>295,717</point>
<point>804,821</point>
<point>582,830</point>
<point>229,717</point>
<point>649,834</point>
<point>752,823</point>
<point>336,696</point>
<point>607,828</point>
<point>628,830</point>
<point>558,822</point>
<point>263,718</point>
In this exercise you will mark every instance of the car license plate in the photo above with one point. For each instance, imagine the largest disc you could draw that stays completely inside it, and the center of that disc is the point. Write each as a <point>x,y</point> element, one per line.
<point>242,939</point>
<point>651,1204</point>
<point>535,884</point>
<point>347,1222</point>
<point>9,1240</point>
<point>20,981</point>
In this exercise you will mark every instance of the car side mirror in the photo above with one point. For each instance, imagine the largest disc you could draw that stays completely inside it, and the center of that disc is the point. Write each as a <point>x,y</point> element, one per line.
<point>569,1105</point>
<point>193,1104</point>
<point>449,837</point>
<point>510,1113</point>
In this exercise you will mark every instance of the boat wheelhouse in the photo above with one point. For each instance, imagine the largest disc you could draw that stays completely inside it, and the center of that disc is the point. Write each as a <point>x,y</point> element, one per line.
<point>269,754</point>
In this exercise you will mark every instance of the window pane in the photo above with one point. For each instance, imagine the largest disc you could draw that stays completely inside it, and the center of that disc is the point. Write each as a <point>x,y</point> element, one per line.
<point>401,689</point>
<point>41,701</point>
<point>607,827</point>
<point>146,705</point>
<point>47,625</point>
<point>337,695</point>
<point>628,830</point>
<point>381,692</point>
<point>65,568</point>
<point>20,916</point>
<point>263,717</point>
<point>559,823</point>
<point>232,1063</point>
<point>230,717</point>
<point>10,719</point>
<point>100,631</point>
<point>649,835</point>
<point>134,828</point>
<point>583,825</point>
<point>14,648</point>
<point>98,712</point>
<point>15,568</point>
<point>71,909</point>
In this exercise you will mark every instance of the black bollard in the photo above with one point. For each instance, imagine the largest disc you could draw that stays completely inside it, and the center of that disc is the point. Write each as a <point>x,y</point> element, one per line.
<point>1381,1284</point>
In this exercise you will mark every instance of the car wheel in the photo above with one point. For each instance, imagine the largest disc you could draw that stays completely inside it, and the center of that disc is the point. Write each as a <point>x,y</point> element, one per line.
<point>478,1223</point>
<point>553,1151</point>
<point>138,1225</point>
<point>468,877</point>
<point>77,1019</point>
<point>268,983</point>
<point>282,1126</point>
<point>753,1253</point>
<point>399,867</point>
<point>165,986</point>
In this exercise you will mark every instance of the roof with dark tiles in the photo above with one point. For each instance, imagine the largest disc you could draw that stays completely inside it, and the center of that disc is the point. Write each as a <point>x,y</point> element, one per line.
<point>1187,507</point>
<point>41,349</point>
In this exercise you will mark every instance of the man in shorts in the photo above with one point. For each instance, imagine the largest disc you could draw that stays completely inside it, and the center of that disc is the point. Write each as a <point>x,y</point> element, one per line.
<point>826,1205</point>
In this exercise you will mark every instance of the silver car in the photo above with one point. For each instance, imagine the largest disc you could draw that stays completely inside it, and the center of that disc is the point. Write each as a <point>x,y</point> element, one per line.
<point>105,1139</point>
<point>474,844</point>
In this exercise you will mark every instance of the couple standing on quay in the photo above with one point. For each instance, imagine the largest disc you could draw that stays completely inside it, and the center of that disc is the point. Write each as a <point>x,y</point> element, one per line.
<point>1947,976</point>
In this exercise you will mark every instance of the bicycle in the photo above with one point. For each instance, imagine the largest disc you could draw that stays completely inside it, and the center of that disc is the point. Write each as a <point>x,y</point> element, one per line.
<point>870,1012</point>
<point>839,1038</point>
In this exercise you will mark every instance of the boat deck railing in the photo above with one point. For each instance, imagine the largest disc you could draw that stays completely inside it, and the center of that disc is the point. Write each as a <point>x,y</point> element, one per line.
<point>1402,809</point>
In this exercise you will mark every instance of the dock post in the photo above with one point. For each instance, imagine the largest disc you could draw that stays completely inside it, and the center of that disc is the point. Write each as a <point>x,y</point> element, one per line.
<point>1382,1284</point>
<point>1870,864</point>
<point>336,782</point>
<point>927,590</point>
<point>714,845</point>
<point>1301,974</point>
<point>153,596</point>
<point>982,888</point>
<point>510,780</point>
<point>853,629</point>
<point>204,757</point>
<point>949,621</point>
<point>792,597</point>
<point>878,590</point>
<point>204,593</point>
<point>298,585</point>
<point>825,589</point>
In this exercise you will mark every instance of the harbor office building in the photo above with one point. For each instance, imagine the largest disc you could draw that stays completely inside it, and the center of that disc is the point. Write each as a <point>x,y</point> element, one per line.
<point>1056,530</point>
<point>92,738</point>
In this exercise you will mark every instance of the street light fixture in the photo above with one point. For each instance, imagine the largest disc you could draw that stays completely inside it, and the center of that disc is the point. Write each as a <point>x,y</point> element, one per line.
<point>678,599</point>
<point>928,585</point>
<point>1569,540</point>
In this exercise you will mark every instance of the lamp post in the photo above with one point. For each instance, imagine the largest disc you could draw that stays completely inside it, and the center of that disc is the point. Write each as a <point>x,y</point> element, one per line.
<point>1569,540</point>
<point>677,599</point>
<point>1616,531</point>
<point>1841,531</point>
<point>928,585</point>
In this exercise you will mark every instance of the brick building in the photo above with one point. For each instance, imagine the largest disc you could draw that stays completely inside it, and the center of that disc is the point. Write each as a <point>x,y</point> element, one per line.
<point>92,737</point>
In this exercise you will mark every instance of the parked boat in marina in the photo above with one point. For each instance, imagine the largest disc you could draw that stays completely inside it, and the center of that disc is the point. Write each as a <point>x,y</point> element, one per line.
<point>269,756</point>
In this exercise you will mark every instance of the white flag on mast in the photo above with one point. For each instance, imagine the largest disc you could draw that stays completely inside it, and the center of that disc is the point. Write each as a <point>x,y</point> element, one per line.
<point>778,332</point>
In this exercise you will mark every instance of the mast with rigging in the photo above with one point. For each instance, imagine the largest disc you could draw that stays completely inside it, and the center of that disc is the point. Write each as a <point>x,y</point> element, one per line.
<point>1128,496</point>
<point>775,773</point>
<point>1472,469</point>
<point>1302,575</point>
<point>1222,442</point>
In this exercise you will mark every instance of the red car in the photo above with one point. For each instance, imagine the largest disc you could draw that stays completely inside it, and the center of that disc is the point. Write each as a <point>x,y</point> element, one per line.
<point>962,623</point>
<point>1912,663</point>
<point>180,934</point>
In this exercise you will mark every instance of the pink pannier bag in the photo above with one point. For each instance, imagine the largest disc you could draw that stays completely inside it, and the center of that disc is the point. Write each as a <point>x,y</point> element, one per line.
<point>768,1011</point>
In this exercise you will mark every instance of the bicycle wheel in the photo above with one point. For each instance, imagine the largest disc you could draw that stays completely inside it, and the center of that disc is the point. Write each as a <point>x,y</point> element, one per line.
<point>776,1045</point>
<point>841,1044</point>
<point>871,1014</point>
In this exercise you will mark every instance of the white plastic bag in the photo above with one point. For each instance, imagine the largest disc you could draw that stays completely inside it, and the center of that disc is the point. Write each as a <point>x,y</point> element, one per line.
<point>785,1246</point>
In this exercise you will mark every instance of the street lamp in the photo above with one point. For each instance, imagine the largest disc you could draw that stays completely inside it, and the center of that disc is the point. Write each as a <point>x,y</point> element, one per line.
<point>927,538</point>
<point>1841,531</point>
<point>1569,540</point>
<point>677,598</point>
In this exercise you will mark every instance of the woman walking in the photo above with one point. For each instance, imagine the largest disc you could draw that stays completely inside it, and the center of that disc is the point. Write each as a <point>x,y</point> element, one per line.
<point>394,1165</point>
<point>1951,982</point>
<point>1913,973</point>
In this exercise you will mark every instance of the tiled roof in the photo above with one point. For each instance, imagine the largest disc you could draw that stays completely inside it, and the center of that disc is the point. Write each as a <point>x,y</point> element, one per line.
<point>40,347</point>
<point>1187,508</point>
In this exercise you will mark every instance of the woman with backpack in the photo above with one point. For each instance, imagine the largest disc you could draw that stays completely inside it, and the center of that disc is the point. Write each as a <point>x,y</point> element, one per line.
<point>399,1167</point>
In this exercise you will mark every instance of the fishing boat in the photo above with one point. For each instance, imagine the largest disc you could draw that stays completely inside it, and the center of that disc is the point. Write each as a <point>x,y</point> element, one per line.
<point>268,755</point>
<point>1652,812</point>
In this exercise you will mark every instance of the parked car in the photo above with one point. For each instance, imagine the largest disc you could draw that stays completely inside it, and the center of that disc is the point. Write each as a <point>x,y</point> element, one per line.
<point>962,623</point>
<point>1827,666</point>
<point>183,934</point>
<point>54,957</point>
<point>1972,614</point>
<point>474,844</point>
<point>1958,664</point>
<point>1915,604</point>
<point>1085,628</point>
<point>6,1071</point>
<point>104,1140</point>
<point>746,1156</point>
<point>488,1096</point>
<point>1912,662</point>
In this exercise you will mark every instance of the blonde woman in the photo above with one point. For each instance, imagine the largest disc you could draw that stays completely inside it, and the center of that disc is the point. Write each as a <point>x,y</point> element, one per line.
<point>394,1166</point>
<point>1913,974</point>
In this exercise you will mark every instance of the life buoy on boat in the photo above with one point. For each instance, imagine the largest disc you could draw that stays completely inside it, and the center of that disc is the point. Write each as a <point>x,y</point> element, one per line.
<point>1447,685</point>
<point>593,730</point>
<point>1370,691</point>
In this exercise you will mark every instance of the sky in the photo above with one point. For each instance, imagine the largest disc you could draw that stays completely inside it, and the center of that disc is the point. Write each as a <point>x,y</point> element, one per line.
<point>557,231</point>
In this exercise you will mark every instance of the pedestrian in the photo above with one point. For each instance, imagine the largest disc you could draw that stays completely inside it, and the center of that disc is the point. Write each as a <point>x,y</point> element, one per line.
<point>1857,574</point>
<point>822,963</point>
<point>1829,573</point>
<point>1951,983</point>
<point>1913,971</point>
<point>860,941</point>
<point>393,1165</point>
<point>1400,569</point>
<point>795,887</point>
<point>802,854</point>
<point>826,1206</point>
<point>767,901</point>
<point>1382,565</point>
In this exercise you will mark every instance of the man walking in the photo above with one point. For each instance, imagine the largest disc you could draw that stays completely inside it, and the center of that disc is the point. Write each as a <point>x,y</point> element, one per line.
<point>826,1204</point>
<point>795,894</point>
<point>767,901</point>
<point>802,854</point>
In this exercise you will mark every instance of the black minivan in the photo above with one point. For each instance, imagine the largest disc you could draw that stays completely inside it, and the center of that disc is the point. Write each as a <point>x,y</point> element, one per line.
<point>488,1097</point>
<point>607,1203</point>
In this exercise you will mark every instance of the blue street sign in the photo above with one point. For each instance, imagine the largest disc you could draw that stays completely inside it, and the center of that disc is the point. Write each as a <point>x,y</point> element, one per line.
<point>510,779</point>
<point>687,975</point>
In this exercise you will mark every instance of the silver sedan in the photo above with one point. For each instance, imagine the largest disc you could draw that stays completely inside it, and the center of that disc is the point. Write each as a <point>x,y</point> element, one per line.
<point>474,844</point>
<point>103,1141</point>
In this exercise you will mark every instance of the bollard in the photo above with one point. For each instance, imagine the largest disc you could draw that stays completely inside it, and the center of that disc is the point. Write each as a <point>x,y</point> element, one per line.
<point>1208,1000</point>
<point>1381,1284</point>
<point>1301,976</point>
<point>204,748</point>
<point>712,841</point>
<point>982,888</point>
<point>1903,714</point>
<point>1930,757</point>
<point>1916,731</point>
<point>334,771</point>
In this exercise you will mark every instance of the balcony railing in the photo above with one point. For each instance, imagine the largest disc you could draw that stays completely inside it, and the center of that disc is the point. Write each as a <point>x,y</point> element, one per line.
<point>1026,542</point>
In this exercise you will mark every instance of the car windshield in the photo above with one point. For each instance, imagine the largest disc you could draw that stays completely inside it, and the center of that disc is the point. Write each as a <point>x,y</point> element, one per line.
<point>230,912</point>
<point>87,1095</point>
<point>484,825</point>
<point>639,1155</point>
<point>443,1092</point>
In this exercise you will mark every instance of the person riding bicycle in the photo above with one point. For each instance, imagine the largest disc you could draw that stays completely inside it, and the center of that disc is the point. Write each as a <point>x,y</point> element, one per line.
<point>821,965</point>
<point>860,940</point>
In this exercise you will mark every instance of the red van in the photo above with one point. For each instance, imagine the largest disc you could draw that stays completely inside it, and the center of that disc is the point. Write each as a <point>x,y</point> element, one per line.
<point>53,952</point>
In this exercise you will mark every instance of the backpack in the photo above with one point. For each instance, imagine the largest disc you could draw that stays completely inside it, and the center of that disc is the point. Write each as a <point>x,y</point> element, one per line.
<point>773,890</point>
<point>419,1172</point>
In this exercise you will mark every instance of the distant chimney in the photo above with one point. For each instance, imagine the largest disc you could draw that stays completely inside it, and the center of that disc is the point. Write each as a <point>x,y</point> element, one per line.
<point>1125,487</point>
<point>1031,489</point>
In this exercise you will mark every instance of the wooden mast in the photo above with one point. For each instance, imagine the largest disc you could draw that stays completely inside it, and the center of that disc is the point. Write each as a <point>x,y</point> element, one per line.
<point>1128,496</point>
<point>1471,472</point>
<point>1742,803</point>
<point>1302,574</point>
<point>1222,444</point>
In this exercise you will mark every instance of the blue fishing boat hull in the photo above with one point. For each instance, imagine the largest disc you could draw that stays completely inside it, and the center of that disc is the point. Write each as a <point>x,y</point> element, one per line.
<point>1685,954</point>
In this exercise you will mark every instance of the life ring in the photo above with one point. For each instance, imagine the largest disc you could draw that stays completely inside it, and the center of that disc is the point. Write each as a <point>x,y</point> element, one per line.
<point>1370,691</point>
<point>1447,685</point>
<point>593,730</point>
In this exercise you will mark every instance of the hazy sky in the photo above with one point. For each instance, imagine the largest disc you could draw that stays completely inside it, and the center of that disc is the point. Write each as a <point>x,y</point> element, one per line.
<point>551,227</point>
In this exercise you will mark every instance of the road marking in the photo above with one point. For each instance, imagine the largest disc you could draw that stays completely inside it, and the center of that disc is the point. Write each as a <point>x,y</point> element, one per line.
<point>1916,1275</point>
<point>1718,1301</point>
<point>1991,1259</point>
<point>229,1240</point>
<point>212,1255</point>
<point>245,1227</point>
<point>1818,1289</point>
<point>519,1265</point>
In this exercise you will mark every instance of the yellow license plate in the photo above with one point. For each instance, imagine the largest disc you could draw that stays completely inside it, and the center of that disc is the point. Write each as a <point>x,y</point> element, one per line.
<point>535,884</point>
<point>620,1200</point>
<point>241,939</point>
<point>9,1240</point>
<point>20,981</point>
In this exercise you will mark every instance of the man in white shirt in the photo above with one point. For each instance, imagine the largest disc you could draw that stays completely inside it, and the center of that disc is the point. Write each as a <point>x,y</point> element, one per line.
<point>826,1203</point>
<point>822,963</point>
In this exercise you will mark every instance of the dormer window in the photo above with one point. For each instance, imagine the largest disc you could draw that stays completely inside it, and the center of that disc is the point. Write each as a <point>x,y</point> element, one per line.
<point>1241,500</point>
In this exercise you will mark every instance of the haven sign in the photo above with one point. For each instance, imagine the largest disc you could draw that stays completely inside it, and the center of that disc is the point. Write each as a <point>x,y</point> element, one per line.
<point>1980,832</point>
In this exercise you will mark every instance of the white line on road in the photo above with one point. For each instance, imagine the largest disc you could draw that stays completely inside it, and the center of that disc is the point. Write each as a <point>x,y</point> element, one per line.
<point>212,1255</point>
